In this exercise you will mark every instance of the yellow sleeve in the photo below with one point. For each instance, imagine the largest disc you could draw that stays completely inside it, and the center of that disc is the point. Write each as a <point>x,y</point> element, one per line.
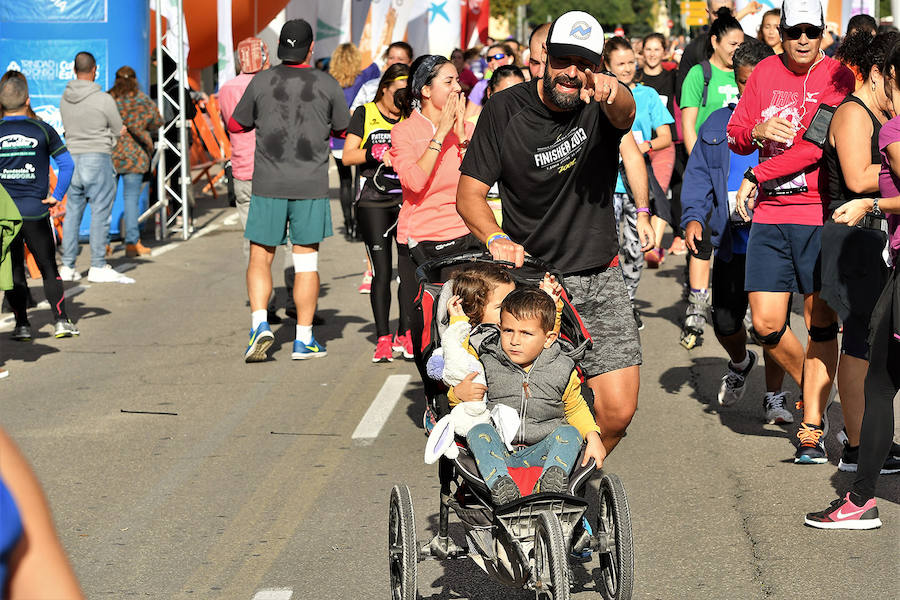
<point>577,412</point>
<point>451,397</point>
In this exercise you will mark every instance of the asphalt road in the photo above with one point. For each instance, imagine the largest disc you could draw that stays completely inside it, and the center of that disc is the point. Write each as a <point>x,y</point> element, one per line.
<point>254,487</point>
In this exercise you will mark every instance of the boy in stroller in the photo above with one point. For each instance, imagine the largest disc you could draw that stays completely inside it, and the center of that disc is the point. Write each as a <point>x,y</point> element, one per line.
<point>527,368</point>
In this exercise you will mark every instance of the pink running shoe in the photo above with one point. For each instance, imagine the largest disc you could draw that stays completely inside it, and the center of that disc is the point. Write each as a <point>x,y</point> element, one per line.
<point>383,352</point>
<point>844,514</point>
<point>403,343</point>
<point>366,286</point>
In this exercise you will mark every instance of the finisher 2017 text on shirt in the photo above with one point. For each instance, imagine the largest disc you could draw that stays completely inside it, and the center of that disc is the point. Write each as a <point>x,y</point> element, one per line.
<point>563,152</point>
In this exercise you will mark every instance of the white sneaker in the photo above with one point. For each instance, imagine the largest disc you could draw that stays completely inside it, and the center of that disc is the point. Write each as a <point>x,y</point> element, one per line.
<point>69,274</point>
<point>775,410</point>
<point>107,275</point>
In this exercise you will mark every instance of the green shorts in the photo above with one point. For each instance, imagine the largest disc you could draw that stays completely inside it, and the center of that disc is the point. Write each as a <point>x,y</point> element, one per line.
<point>268,220</point>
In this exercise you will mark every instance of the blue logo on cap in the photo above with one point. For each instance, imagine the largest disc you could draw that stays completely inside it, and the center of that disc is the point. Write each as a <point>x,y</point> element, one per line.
<point>580,30</point>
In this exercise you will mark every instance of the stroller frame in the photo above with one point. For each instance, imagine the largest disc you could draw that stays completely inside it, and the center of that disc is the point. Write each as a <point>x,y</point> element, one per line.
<point>526,543</point>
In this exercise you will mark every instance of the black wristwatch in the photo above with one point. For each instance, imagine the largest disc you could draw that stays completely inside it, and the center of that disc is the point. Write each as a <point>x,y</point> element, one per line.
<point>749,176</point>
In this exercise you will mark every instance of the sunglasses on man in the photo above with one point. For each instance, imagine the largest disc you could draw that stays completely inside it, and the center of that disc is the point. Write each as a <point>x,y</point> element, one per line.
<point>795,33</point>
<point>499,56</point>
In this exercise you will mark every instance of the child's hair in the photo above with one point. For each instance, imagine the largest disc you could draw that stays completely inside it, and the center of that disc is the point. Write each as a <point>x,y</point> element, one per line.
<point>531,303</point>
<point>474,283</point>
<point>750,53</point>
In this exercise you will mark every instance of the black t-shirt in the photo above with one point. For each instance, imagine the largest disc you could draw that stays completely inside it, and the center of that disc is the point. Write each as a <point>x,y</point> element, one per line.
<point>556,173</point>
<point>664,84</point>
<point>381,186</point>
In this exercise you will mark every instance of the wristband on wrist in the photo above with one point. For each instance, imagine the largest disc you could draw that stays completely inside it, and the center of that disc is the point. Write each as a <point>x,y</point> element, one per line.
<point>875,210</point>
<point>499,235</point>
<point>431,146</point>
<point>750,176</point>
<point>644,209</point>
<point>440,144</point>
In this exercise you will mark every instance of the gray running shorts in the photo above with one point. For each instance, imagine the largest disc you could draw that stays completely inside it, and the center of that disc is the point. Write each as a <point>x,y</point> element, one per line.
<point>600,297</point>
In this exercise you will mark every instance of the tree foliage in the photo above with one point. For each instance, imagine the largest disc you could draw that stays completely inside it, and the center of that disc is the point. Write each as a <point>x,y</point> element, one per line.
<point>635,15</point>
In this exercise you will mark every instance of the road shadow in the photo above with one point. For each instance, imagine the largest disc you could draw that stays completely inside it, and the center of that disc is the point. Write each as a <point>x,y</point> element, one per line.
<point>415,401</point>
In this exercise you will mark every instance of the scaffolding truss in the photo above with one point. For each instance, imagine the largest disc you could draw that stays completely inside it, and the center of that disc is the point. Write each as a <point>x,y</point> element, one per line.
<point>172,180</point>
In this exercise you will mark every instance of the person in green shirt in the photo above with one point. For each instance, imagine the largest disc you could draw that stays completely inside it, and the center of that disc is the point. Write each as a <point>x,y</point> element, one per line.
<point>725,35</point>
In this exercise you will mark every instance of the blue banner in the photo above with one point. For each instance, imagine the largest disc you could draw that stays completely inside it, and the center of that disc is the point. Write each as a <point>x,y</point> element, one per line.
<point>44,11</point>
<point>49,65</point>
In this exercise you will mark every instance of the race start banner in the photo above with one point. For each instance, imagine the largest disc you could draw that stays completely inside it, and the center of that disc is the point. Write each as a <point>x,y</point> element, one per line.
<point>42,11</point>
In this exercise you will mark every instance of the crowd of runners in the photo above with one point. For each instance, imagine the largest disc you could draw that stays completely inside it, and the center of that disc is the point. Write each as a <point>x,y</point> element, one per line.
<point>586,151</point>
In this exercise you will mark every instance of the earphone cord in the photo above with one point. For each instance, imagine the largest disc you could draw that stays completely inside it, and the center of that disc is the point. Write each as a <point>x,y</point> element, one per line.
<point>803,97</point>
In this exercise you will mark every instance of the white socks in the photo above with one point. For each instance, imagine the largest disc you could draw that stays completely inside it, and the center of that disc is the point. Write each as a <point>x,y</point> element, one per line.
<point>304,332</point>
<point>743,364</point>
<point>259,316</point>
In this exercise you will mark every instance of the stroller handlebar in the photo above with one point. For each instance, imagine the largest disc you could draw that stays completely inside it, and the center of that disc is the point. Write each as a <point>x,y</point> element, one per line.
<point>430,270</point>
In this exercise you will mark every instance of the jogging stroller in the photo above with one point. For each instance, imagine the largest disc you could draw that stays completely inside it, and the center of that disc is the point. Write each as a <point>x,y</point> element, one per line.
<point>526,543</point>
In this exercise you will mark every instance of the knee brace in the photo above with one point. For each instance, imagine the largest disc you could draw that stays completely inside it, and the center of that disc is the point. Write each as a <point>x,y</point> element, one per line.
<point>823,334</point>
<point>771,339</point>
<point>307,262</point>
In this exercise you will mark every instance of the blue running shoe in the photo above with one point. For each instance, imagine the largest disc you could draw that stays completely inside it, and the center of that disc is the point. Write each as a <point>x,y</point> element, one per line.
<point>311,350</point>
<point>260,341</point>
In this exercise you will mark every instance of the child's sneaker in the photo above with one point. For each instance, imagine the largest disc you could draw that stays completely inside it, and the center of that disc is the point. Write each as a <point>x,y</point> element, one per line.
<point>311,350</point>
<point>403,343</point>
<point>504,491</point>
<point>383,351</point>
<point>260,341</point>
<point>844,514</point>
<point>554,479</point>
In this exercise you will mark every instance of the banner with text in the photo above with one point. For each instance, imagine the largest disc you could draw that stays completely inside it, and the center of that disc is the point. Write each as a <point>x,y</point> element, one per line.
<point>49,65</point>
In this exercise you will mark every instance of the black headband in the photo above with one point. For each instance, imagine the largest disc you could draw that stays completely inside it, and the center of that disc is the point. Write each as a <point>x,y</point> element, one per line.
<point>422,73</point>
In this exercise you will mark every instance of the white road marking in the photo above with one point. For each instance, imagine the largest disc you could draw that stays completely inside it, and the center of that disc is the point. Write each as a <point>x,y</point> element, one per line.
<point>172,245</point>
<point>274,594</point>
<point>370,425</point>
<point>232,219</point>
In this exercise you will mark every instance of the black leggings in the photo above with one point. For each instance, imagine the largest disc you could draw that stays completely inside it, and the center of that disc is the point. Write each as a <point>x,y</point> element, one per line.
<point>377,225</point>
<point>39,237</point>
<point>882,384</point>
<point>345,174</point>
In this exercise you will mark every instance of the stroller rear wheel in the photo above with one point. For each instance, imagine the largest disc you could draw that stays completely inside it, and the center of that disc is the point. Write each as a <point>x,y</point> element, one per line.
<point>402,549</point>
<point>614,522</point>
<point>551,560</point>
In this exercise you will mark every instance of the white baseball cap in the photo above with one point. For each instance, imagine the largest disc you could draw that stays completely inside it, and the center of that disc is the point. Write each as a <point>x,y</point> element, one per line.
<point>797,12</point>
<point>576,33</point>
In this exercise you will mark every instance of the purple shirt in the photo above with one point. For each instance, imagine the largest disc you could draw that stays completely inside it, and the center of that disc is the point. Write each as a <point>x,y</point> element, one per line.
<point>888,180</point>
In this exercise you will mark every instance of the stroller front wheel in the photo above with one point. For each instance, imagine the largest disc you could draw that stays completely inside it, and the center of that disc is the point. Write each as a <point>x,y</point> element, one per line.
<point>402,548</point>
<point>551,560</point>
<point>614,523</point>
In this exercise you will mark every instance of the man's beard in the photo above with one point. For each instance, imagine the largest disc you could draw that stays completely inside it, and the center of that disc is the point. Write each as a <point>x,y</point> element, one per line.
<point>562,101</point>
